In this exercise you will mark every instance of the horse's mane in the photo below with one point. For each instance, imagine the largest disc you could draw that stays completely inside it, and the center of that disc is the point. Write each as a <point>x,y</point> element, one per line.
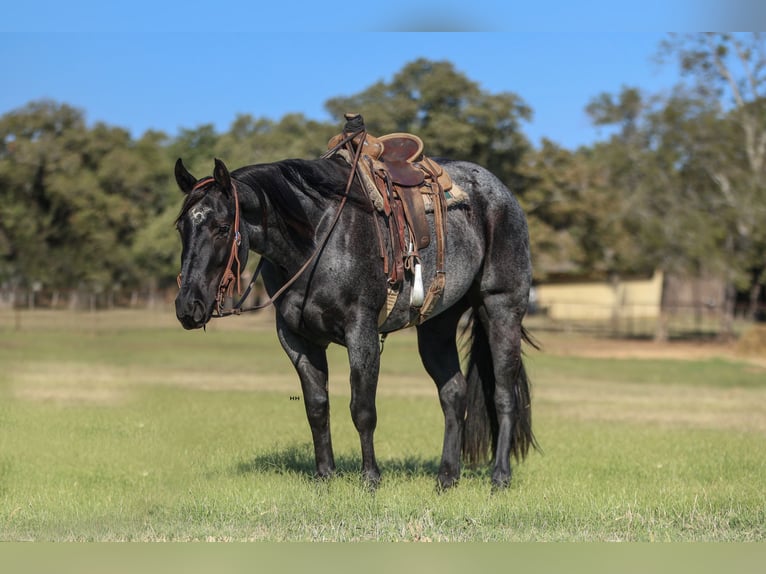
<point>284,182</point>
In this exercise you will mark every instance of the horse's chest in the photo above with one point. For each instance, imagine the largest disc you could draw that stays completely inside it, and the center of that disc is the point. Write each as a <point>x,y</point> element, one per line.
<point>316,318</point>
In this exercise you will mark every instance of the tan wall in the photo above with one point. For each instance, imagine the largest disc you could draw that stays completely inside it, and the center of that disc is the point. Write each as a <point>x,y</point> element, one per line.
<point>600,301</point>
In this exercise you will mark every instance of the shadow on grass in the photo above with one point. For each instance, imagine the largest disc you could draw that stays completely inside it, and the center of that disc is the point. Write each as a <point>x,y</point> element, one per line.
<point>299,459</point>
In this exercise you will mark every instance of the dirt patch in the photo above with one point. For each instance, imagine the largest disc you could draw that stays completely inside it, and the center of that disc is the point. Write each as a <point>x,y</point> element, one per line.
<point>72,395</point>
<point>582,346</point>
<point>84,383</point>
<point>68,383</point>
<point>753,342</point>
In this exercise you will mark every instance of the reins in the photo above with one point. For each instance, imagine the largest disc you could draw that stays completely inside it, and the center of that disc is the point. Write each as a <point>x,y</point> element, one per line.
<point>226,286</point>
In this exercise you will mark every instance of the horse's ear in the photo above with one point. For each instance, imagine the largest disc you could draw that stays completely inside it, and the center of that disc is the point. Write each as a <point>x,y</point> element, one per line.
<point>221,175</point>
<point>184,179</point>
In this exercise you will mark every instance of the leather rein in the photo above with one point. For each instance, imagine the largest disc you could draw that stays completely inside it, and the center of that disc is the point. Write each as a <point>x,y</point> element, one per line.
<point>226,285</point>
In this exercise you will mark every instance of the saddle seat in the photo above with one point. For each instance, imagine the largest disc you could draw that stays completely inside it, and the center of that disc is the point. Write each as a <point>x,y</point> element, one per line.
<point>400,150</point>
<point>399,155</point>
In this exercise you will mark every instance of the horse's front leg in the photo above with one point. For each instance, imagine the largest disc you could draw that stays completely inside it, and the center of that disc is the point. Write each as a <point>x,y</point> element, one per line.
<point>310,361</point>
<point>364,362</point>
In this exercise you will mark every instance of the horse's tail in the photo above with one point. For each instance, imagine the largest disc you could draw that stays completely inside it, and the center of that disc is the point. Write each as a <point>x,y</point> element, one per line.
<point>481,427</point>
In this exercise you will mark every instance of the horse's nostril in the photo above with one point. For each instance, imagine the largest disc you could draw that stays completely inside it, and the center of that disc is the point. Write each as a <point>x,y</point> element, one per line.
<point>191,314</point>
<point>198,312</point>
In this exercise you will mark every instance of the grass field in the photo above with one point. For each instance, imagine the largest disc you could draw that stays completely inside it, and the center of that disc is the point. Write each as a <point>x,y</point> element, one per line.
<point>122,426</point>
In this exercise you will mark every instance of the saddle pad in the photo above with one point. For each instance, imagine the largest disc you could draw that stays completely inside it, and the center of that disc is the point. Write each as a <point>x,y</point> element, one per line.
<point>455,195</point>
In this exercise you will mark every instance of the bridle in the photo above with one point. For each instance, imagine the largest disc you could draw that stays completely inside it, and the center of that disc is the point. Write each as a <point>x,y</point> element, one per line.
<point>226,285</point>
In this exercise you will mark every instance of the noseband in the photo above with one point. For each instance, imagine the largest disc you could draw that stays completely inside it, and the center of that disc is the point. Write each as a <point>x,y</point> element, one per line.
<point>226,285</point>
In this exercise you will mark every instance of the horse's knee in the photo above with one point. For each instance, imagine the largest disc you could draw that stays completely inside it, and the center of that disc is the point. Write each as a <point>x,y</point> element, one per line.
<point>317,402</point>
<point>364,415</point>
<point>453,394</point>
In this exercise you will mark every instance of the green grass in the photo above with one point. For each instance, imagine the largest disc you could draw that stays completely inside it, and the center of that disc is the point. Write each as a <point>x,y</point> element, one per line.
<point>123,430</point>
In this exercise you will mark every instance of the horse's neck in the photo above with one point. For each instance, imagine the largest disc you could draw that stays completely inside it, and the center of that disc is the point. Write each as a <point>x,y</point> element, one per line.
<point>272,239</point>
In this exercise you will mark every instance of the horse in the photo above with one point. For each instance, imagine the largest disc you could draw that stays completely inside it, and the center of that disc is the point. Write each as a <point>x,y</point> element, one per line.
<point>309,221</point>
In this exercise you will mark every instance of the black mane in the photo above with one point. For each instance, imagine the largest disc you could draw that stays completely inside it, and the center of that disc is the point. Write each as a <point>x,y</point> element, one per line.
<point>283,182</point>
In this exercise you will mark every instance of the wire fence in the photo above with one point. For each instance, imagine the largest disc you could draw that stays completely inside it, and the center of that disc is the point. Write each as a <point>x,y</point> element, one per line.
<point>704,320</point>
<point>90,300</point>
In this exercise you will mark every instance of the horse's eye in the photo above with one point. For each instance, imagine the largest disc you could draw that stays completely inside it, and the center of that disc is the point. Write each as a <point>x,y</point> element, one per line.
<point>224,230</point>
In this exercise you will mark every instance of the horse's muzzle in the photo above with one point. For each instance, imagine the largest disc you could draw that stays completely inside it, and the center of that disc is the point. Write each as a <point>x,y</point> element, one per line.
<point>191,314</point>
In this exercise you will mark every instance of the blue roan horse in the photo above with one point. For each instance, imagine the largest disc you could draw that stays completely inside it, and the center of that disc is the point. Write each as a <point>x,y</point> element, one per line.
<point>291,212</point>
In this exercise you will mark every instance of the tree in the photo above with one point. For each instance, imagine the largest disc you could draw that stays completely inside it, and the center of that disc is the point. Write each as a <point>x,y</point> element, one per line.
<point>729,70</point>
<point>656,163</point>
<point>453,116</point>
<point>72,198</point>
<point>560,216</point>
<point>262,140</point>
<point>197,148</point>
<point>32,212</point>
<point>628,185</point>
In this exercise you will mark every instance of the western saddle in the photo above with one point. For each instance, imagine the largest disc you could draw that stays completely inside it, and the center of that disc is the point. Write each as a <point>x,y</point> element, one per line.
<point>403,184</point>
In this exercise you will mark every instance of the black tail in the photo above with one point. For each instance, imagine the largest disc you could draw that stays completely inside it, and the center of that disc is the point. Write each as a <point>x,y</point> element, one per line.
<point>481,427</point>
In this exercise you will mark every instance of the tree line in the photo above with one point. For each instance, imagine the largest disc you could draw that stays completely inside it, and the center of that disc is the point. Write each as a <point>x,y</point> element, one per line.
<point>679,184</point>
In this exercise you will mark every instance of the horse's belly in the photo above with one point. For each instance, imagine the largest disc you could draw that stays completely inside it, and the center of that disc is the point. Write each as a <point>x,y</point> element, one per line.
<point>463,259</point>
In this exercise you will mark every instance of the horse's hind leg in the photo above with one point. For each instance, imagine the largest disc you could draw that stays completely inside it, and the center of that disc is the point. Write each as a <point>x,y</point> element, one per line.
<point>364,361</point>
<point>310,361</point>
<point>438,351</point>
<point>501,319</point>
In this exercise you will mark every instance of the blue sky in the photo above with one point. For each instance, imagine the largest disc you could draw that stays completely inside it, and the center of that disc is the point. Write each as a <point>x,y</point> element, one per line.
<point>175,65</point>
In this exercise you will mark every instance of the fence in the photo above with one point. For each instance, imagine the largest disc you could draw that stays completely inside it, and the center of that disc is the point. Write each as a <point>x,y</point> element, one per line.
<point>599,309</point>
<point>635,321</point>
<point>656,307</point>
<point>88,300</point>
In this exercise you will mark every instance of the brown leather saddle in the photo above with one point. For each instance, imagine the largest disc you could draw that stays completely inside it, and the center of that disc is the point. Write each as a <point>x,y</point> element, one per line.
<point>402,176</point>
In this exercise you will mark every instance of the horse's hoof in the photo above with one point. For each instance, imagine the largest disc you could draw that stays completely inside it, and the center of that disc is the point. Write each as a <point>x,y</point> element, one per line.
<point>446,481</point>
<point>325,472</point>
<point>324,476</point>
<point>501,482</point>
<point>371,480</point>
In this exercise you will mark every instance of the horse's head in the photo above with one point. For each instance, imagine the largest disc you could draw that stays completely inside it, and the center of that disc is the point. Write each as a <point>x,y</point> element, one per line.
<point>213,250</point>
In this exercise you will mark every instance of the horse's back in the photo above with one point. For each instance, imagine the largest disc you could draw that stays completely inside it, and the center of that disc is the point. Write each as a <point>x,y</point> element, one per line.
<point>484,188</point>
<point>491,201</point>
<point>498,218</point>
